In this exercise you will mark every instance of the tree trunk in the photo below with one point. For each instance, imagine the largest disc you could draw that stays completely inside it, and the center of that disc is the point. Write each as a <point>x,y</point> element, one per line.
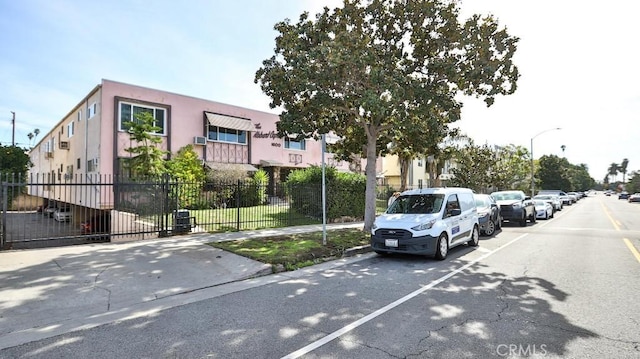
<point>404,169</point>
<point>370,171</point>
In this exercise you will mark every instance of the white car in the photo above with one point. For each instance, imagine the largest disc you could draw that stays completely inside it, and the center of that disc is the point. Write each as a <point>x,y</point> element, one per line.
<point>62,214</point>
<point>555,200</point>
<point>427,221</point>
<point>544,210</point>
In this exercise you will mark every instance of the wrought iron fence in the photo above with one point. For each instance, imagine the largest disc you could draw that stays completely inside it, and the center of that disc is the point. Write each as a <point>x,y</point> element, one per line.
<point>55,209</point>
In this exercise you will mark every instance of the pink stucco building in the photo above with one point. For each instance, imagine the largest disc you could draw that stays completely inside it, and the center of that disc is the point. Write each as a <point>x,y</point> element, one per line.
<point>91,138</point>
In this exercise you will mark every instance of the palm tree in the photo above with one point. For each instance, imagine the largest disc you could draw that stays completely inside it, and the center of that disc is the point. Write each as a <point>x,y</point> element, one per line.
<point>613,170</point>
<point>623,169</point>
<point>33,135</point>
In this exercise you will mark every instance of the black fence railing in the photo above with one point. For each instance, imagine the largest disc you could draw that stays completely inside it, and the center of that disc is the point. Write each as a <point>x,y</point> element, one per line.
<point>57,209</point>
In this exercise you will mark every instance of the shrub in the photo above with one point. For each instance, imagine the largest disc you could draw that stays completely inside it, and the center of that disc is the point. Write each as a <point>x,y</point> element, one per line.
<point>344,191</point>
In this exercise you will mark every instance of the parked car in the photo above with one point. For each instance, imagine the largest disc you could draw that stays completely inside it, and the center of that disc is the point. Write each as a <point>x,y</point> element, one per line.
<point>488,214</point>
<point>623,195</point>
<point>566,200</point>
<point>62,214</point>
<point>553,199</point>
<point>634,197</point>
<point>515,206</point>
<point>427,221</point>
<point>578,195</point>
<point>100,223</point>
<point>49,208</point>
<point>544,210</point>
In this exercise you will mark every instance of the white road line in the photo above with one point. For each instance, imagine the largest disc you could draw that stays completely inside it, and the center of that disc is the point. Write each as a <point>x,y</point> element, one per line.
<point>322,341</point>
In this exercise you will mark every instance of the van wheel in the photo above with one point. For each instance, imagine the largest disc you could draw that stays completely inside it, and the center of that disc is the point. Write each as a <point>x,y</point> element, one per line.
<point>475,237</point>
<point>442,247</point>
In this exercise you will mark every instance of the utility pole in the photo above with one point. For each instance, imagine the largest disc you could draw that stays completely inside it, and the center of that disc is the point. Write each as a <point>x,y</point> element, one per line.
<point>13,130</point>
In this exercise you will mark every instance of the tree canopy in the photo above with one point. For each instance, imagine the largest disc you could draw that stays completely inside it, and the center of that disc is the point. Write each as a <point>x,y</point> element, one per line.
<point>557,173</point>
<point>147,159</point>
<point>378,71</point>
<point>14,161</point>
<point>491,168</point>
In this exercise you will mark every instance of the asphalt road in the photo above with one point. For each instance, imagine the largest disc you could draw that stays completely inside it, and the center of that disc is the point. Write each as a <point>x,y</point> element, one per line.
<point>567,287</point>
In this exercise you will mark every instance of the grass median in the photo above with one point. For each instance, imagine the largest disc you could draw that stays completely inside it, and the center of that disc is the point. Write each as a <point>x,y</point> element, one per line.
<point>294,251</point>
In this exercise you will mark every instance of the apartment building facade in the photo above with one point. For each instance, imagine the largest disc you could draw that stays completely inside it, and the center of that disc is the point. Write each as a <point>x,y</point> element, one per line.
<point>90,142</point>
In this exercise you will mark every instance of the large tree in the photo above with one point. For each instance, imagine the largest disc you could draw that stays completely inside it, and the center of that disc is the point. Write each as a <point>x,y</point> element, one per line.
<point>612,171</point>
<point>14,162</point>
<point>375,71</point>
<point>474,167</point>
<point>623,169</point>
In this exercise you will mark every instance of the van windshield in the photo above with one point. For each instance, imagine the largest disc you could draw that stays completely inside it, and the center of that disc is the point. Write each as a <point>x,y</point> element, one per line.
<point>417,204</point>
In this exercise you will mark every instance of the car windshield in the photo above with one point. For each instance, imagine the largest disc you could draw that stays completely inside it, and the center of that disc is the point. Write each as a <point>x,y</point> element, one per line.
<point>482,201</point>
<point>417,204</point>
<point>506,196</point>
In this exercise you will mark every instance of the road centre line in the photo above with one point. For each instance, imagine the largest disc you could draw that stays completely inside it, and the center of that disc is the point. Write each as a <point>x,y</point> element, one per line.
<point>632,248</point>
<point>613,221</point>
<point>336,334</point>
<point>630,245</point>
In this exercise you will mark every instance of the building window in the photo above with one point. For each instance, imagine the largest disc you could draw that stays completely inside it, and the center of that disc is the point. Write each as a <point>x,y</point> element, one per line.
<point>92,110</point>
<point>292,144</point>
<point>227,135</point>
<point>79,115</point>
<point>128,113</point>
<point>70,129</point>
<point>47,146</point>
<point>92,165</point>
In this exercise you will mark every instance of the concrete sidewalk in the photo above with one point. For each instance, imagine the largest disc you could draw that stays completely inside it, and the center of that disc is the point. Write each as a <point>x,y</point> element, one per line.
<point>51,291</point>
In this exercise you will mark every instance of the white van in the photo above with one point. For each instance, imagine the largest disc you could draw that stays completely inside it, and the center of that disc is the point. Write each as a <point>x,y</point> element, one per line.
<point>427,221</point>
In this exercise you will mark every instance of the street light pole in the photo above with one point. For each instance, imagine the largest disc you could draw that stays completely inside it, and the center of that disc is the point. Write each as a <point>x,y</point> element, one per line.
<point>13,131</point>
<point>533,182</point>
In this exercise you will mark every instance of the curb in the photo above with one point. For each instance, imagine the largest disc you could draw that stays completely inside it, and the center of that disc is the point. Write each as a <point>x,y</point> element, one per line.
<point>350,252</point>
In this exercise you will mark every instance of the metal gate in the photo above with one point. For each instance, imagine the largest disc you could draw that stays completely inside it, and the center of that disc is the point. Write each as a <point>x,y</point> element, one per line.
<point>55,210</point>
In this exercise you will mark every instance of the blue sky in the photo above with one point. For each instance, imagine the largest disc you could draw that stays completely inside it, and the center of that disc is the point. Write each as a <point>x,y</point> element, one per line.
<point>578,61</point>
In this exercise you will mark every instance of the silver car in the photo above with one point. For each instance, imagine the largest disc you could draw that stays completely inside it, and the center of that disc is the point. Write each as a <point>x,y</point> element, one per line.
<point>555,201</point>
<point>544,210</point>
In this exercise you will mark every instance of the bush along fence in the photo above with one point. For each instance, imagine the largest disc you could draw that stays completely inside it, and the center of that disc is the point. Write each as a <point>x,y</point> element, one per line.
<point>54,209</point>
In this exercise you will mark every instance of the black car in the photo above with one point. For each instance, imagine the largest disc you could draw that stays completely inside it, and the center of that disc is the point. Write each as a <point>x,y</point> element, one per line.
<point>623,195</point>
<point>488,214</point>
<point>515,206</point>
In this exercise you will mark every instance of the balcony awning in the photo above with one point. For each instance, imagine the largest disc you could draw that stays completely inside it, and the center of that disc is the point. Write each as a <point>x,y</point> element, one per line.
<point>244,166</point>
<point>235,123</point>
<point>270,163</point>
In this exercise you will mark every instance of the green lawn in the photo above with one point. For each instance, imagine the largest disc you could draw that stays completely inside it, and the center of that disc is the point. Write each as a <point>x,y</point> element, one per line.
<point>248,218</point>
<point>297,250</point>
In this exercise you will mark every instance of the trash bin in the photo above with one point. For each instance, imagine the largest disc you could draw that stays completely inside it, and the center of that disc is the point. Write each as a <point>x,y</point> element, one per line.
<point>181,221</point>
